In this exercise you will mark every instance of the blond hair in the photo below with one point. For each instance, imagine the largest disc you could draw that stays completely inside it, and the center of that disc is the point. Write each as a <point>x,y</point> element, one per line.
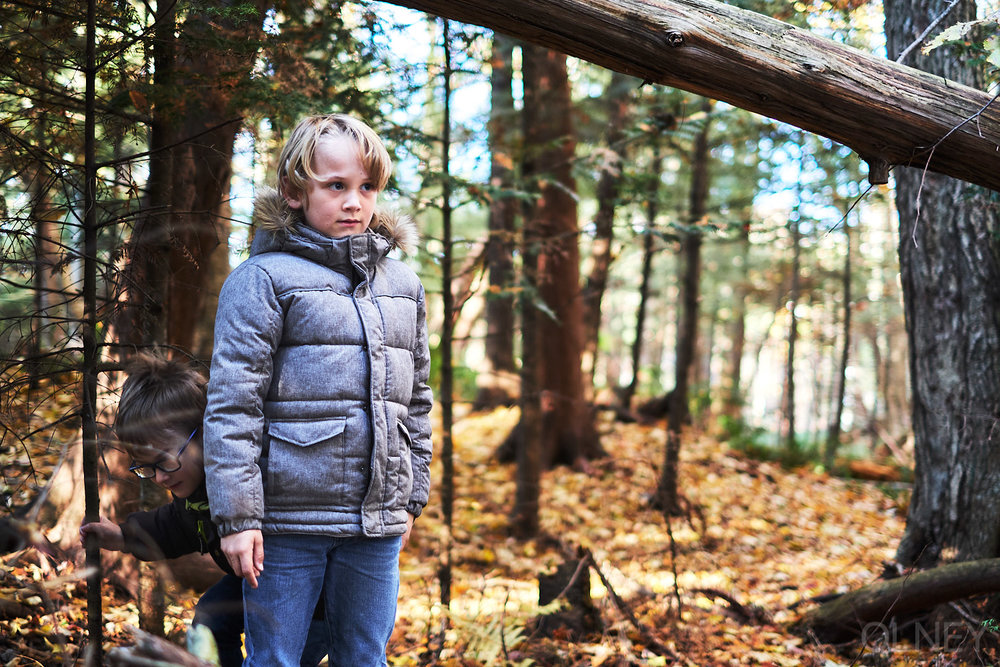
<point>295,164</point>
<point>159,396</point>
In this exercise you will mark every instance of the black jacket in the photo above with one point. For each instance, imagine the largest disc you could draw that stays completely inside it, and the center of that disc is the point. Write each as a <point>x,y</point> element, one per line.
<point>175,529</point>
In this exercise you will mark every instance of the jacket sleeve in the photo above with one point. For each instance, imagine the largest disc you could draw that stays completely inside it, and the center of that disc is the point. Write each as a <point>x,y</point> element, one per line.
<point>418,421</point>
<point>157,534</point>
<point>248,328</point>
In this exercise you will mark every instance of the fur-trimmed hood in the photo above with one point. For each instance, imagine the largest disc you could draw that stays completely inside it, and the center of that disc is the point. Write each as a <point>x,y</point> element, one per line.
<point>273,215</point>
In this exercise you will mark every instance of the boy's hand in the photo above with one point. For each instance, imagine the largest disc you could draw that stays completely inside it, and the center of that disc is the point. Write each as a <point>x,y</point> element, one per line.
<point>109,534</point>
<point>409,528</point>
<point>245,553</point>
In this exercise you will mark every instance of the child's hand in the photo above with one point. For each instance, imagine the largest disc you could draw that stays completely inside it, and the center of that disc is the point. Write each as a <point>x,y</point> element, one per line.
<point>409,529</point>
<point>245,553</point>
<point>109,534</point>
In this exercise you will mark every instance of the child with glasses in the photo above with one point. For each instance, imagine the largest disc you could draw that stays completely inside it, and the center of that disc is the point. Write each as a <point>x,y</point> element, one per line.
<point>158,421</point>
<point>317,434</point>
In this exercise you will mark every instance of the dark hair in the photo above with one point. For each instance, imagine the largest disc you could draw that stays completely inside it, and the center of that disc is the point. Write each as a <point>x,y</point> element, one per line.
<point>159,395</point>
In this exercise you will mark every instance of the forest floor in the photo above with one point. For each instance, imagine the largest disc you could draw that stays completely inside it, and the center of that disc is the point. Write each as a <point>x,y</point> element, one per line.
<point>759,543</point>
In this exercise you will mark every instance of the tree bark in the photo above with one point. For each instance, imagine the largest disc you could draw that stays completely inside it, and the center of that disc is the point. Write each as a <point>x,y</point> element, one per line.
<point>949,257</point>
<point>763,65</point>
<point>569,434</point>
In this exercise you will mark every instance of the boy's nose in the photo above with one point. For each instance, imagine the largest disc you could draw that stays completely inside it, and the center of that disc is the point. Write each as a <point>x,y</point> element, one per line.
<point>161,477</point>
<point>352,201</point>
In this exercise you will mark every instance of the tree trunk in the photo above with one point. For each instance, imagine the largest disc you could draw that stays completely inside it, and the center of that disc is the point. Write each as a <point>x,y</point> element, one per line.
<point>732,402</point>
<point>756,63</point>
<point>49,297</point>
<point>690,272</point>
<point>447,328</point>
<point>142,318</point>
<point>526,438</point>
<point>948,257</point>
<point>678,413</point>
<point>618,103</point>
<point>648,247</point>
<point>786,432</point>
<point>705,356</point>
<point>182,237</point>
<point>493,390</point>
<point>203,170</point>
<point>569,434</point>
<point>833,432</point>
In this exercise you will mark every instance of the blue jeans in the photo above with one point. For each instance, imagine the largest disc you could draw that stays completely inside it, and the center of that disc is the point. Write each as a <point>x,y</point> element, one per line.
<point>358,580</point>
<point>220,609</point>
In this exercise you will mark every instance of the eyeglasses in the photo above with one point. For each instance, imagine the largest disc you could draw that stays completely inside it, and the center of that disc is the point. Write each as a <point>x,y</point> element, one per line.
<point>148,470</point>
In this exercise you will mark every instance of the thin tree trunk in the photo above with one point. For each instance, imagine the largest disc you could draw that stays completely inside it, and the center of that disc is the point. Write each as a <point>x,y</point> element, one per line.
<point>500,316</point>
<point>733,377</point>
<point>690,272</point>
<point>648,248</point>
<point>527,435</point>
<point>833,432</point>
<point>447,331</point>
<point>667,496</point>
<point>46,277</point>
<point>787,431</point>
<point>618,103</point>
<point>91,457</point>
<point>702,378</point>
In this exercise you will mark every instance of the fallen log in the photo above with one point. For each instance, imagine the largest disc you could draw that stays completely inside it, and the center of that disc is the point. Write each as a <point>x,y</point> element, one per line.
<point>890,114</point>
<point>847,616</point>
<point>875,472</point>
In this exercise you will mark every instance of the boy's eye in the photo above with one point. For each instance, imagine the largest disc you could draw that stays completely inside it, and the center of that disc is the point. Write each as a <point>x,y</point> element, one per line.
<point>367,187</point>
<point>336,186</point>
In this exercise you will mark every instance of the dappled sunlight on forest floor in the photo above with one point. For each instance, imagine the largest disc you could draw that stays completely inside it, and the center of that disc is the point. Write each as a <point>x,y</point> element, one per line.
<point>757,543</point>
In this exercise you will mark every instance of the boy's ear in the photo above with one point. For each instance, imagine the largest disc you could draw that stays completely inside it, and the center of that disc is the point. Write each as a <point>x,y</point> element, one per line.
<point>290,195</point>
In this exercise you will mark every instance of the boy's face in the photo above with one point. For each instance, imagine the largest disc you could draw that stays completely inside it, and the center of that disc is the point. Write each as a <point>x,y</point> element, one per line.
<point>340,201</point>
<point>173,451</point>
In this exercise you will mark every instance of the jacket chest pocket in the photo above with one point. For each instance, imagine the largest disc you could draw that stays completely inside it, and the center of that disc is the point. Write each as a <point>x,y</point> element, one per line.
<point>305,462</point>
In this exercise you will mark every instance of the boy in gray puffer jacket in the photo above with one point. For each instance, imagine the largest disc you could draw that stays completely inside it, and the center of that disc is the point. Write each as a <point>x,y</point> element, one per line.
<point>317,432</point>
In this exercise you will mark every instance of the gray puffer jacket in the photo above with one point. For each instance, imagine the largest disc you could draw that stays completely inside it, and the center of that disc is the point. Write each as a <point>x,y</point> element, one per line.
<point>318,403</point>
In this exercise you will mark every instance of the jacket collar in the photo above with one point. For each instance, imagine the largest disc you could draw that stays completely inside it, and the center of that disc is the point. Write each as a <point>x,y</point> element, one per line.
<point>360,251</point>
<point>276,222</point>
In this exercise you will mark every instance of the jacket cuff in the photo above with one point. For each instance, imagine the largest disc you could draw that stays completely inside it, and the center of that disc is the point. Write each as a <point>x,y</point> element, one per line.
<point>414,508</point>
<point>227,528</point>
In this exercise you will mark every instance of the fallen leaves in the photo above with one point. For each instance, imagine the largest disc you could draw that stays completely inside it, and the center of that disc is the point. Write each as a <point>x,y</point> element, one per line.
<point>758,538</point>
